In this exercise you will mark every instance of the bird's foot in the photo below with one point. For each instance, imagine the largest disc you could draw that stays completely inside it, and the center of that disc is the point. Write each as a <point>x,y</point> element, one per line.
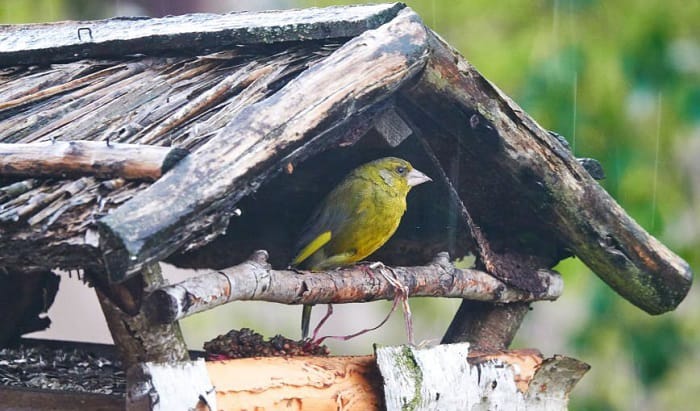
<point>368,267</point>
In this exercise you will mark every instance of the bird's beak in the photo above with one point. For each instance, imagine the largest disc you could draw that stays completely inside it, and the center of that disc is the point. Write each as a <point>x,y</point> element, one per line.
<point>415,177</point>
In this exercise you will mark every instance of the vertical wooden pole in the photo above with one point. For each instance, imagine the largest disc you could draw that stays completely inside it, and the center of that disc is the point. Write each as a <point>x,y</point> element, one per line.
<point>138,339</point>
<point>486,326</point>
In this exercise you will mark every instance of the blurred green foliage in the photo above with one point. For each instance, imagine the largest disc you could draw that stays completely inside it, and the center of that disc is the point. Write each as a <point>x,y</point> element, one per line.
<point>621,80</point>
<point>39,11</point>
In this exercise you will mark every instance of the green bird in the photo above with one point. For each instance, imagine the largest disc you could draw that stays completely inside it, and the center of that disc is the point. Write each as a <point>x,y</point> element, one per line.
<point>356,218</point>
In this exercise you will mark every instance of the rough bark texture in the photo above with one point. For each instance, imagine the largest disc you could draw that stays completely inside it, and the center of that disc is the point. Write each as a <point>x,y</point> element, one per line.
<point>87,158</point>
<point>255,280</point>
<point>373,65</point>
<point>527,192</point>
<point>442,378</point>
<point>136,337</point>
<point>166,386</point>
<point>70,41</point>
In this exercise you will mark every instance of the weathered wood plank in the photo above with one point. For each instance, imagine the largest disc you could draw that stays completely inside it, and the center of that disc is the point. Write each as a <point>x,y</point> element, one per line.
<point>255,280</point>
<point>547,180</point>
<point>75,40</point>
<point>354,79</point>
<point>79,158</point>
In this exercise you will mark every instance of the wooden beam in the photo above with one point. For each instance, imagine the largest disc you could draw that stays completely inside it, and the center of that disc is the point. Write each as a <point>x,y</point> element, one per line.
<point>547,180</point>
<point>76,40</point>
<point>255,280</point>
<point>259,142</point>
<point>392,128</point>
<point>484,325</point>
<point>101,159</point>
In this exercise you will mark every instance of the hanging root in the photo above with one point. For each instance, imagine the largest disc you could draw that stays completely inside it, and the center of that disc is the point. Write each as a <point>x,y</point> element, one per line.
<point>401,294</point>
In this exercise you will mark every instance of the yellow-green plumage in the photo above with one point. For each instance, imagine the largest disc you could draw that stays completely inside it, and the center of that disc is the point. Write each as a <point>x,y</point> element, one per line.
<point>356,218</point>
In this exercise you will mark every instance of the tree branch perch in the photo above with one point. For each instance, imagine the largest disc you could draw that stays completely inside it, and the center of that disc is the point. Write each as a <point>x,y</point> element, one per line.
<point>255,280</point>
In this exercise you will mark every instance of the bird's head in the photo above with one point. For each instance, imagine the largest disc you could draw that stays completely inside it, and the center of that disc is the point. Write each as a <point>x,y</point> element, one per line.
<point>398,174</point>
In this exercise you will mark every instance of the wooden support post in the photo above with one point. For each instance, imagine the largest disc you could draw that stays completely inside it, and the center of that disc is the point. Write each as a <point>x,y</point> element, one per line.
<point>136,337</point>
<point>88,158</point>
<point>486,326</point>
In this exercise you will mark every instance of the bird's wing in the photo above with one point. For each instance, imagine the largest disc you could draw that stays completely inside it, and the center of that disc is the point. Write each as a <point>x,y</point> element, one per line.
<point>333,216</point>
<point>312,247</point>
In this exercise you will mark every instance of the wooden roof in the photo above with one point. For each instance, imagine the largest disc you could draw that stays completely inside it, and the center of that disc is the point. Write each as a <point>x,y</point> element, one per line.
<point>274,108</point>
<point>171,101</point>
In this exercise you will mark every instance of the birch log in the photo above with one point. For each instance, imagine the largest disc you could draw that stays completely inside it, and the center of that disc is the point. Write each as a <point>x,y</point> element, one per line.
<point>446,377</point>
<point>441,378</point>
<point>170,387</point>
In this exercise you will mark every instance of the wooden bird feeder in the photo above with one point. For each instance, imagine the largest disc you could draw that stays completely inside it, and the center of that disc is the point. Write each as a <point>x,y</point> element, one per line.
<point>130,141</point>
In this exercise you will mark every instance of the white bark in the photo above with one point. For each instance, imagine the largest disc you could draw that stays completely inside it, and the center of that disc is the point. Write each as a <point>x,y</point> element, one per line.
<point>441,378</point>
<point>170,387</point>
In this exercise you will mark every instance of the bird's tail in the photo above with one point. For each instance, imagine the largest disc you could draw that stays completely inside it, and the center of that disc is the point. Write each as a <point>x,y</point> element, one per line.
<point>305,320</point>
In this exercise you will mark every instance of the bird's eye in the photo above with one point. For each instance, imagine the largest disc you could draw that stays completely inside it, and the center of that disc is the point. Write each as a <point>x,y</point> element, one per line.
<point>400,169</point>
